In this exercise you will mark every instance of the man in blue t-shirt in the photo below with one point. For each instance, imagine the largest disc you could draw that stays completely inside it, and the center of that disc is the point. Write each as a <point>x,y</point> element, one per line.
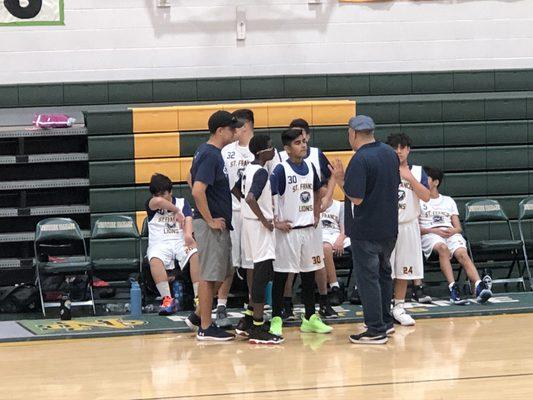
<point>212,220</point>
<point>371,221</point>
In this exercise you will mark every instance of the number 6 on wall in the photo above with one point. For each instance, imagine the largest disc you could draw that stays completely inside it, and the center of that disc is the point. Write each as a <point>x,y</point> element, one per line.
<point>27,12</point>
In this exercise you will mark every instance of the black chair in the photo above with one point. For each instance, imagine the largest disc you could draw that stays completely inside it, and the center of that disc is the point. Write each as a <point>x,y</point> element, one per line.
<point>116,235</point>
<point>525,213</point>
<point>495,253</point>
<point>60,249</point>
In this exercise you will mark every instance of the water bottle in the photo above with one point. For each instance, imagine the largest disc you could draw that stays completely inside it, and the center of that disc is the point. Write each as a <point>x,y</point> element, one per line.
<point>64,308</point>
<point>268,293</point>
<point>135,299</point>
<point>177,288</point>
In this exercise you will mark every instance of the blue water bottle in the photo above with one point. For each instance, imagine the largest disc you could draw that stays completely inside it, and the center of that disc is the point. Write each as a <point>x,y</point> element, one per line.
<point>135,299</point>
<point>177,288</point>
<point>268,293</point>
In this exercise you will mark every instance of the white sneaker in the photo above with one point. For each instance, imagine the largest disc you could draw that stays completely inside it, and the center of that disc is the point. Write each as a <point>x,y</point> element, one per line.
<point>402,317</point>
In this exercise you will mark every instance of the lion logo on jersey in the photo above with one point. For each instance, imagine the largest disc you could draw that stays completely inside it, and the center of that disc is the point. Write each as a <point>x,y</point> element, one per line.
<point>438,219</point>
<point>305,197</point>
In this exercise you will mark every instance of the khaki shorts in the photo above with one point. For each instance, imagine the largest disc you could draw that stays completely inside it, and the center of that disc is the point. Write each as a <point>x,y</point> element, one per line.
<point>214,252</point>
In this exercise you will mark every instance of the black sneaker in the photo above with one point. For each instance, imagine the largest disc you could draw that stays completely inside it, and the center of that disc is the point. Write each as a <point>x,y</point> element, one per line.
<point>390,330</point>
<point>260,335</point>
<point>327,312</point>
<point>193,321</point>
<point>336,296</point>
<point>244,325</point>
<point>367,338</point>
<point>354,298</point>
<point>288,314</point>
<point>214,333</point>
<point>419,296</point>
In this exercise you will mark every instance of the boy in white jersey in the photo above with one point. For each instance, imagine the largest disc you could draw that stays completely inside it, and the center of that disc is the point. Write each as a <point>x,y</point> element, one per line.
<point>258,238</point>
<point>320,162</point>
<point>297,185</point>
<point>169,238</point>
<point>441,234</point>
<point>406,259</point>
<point>236,157</point>
<point>334,243</point>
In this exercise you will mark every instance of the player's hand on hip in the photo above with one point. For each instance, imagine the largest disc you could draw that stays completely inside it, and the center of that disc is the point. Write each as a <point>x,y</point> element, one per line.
<point>218,224</point>
<point>284,226</point>
<point>337,171</point>
<point>338,248</point>
<point>189,241</point>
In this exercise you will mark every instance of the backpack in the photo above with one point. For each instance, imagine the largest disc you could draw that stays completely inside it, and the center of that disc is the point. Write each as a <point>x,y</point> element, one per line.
<point>19,298</point>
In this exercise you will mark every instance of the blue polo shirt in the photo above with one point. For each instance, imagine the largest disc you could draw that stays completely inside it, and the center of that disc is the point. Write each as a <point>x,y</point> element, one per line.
<point>372,175</point>
<point>208,167</point>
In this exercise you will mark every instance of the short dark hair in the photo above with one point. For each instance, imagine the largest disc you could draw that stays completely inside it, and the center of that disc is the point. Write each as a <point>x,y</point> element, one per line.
<point>399,139</point>
<point>288,136</point>
<point>300,123</point>
<point>245,114</point>
<point>258,142</point>
<point>160,183</point>
<point>435,174</point>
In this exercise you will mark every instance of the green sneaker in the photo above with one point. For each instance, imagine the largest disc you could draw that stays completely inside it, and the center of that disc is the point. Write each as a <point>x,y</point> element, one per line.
<point>276,325</point>
<point>315,325</point>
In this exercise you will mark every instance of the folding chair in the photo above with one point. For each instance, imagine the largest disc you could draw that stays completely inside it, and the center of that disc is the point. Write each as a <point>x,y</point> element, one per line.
<point>116,235</point>
<point>60,249</point>
<point>525,213</point>
<point>494,252</point>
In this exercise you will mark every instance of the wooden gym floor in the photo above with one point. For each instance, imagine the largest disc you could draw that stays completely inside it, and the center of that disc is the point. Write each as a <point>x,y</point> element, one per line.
<point>451,358</point>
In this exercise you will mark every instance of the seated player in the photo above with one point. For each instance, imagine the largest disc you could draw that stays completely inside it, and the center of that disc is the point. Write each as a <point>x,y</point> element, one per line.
<point>334,243</point>
<point>441,234</point>
<point>169,238</point>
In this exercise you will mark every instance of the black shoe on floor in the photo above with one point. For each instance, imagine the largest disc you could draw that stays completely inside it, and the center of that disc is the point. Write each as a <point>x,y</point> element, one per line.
<point>336,296</point>
<point>327,312</point>
<point>193,321</point>
<point>244,325</point>
<point>420,296</point>
<point>367,338</point>
<point>260,335</point>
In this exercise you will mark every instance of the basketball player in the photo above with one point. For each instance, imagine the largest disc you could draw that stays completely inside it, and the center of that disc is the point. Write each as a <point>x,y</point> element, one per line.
<point>406,258</point>
<point>441,235</point>
<point>297,185</point>
<point>320,162</point>
<point>167,240</point>
<point>334,243</point>
<point>258,238</point>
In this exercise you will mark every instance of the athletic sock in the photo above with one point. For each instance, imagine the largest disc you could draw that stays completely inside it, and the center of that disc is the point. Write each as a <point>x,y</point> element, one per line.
<point>477,283</point>
<point>163,288</point>
<point>249,311</point>
<point>258,322</point>
<point>287,301</point>
<point>334,284</point>
<point>323,300</point>
<point>195,288</point>
<point>222,302</point>
<point>451,285</point>
<point>398,303</point>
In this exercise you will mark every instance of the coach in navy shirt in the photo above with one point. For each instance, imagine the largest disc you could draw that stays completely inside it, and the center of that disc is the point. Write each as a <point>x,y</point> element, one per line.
<point>212,219</point>
<point>370,184</point>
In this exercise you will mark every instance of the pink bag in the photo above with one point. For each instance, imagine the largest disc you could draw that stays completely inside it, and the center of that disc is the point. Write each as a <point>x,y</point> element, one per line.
<point>46,121</point>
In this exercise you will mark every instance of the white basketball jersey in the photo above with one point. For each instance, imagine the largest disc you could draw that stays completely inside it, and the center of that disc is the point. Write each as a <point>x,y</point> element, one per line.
<point>408,202</point>
<point>163,226</point>
<point>331,218</point>
<point>236,158</point>
<point>313,157</point>
<point>438,212</point>
<point>296,204</point>
<point>264,201</point>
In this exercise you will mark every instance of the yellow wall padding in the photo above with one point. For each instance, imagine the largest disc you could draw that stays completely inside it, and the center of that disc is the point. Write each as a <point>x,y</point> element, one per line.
<point>266,115</point>
<point>152,145</point>
<point>139,218</point>
<point>176,169</point>
<point>345,157</point>
<point>155,119</point>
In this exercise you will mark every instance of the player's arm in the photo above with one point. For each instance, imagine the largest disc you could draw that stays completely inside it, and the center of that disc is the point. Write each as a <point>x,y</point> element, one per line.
<point>198,193</point>
<point>236,191</point>
<point>187,226</point>
<point>317,200</point>
<point>259,181</point>
<point>277,183</point>
<point>159,203</point>
<point>189,179</point>
<point>420,188</point>
<point>456,223</point>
